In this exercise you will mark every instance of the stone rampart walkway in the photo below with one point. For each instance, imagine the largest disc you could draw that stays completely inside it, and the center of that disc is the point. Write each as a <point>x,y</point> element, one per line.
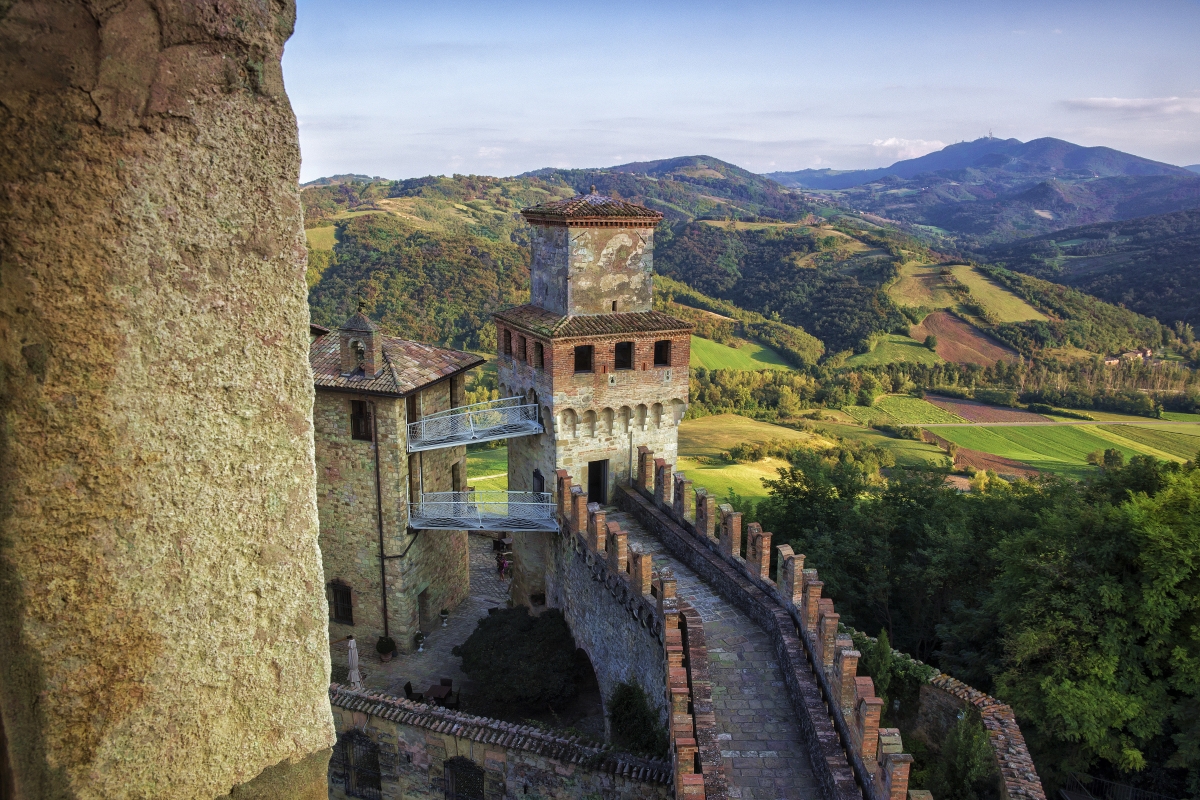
<point>761,745</point>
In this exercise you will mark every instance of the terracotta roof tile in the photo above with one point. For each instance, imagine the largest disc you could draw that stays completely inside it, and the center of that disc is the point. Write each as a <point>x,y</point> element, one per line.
<point>591,207</point>
<point>536,319</point>
<point>408,366</point>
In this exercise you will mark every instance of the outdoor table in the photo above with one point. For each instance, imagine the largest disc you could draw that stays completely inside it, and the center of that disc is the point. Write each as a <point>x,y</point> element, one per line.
<point>437,693</point>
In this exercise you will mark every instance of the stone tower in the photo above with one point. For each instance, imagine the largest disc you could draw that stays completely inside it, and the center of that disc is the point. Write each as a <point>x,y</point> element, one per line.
<point>608,372</point>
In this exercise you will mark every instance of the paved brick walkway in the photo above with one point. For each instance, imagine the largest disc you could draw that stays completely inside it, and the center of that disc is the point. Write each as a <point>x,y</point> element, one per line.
<point>763,753</point>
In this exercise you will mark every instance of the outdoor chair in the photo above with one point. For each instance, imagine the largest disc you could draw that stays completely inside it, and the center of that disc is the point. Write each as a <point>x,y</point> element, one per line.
<point>416,697</point>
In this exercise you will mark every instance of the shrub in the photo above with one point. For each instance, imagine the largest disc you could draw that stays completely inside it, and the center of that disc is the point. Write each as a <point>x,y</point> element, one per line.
<point>385,645</point>
<point>966,769</point>
<point>635,724</point>
<point>516,658</point>
<point>931,342</point>
<point>997,397</point>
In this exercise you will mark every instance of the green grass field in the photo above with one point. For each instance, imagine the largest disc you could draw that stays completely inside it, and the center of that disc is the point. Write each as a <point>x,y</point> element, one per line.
<point>708,437</point>
<point>867,415</point>
<point>745,479</point>
<point>1179,416</point>
<point>1059,450</point>
<point>908,410</point>
<point>895,348</point>
<point>750,356</point>
<point>907,452</point>
<point>1003,304</point>
<point>321,238</point>
<point>487,470</point>
<point>1167,439</point>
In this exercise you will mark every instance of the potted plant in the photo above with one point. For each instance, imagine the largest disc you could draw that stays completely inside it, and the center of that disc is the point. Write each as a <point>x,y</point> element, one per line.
<point>419,638</point>
<point>386,647</point>
<point>445,615</point>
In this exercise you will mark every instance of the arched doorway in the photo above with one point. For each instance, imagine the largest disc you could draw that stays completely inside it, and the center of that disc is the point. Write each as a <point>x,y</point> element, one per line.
<point>464,779</point>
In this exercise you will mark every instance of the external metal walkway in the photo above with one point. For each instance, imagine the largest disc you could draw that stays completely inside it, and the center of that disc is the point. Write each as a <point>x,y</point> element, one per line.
<point>481,422</point>
<point>484,511</point>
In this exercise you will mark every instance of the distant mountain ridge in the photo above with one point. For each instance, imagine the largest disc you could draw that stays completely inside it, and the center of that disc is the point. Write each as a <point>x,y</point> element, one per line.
<point>1038,156</point>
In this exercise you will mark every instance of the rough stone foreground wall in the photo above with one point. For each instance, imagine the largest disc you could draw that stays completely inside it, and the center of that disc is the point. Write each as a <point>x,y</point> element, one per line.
<point>163,623</point>
<point>415,740</point>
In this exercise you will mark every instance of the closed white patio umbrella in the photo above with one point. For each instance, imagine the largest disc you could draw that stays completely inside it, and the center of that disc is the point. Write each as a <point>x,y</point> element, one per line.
<point>354,679</point>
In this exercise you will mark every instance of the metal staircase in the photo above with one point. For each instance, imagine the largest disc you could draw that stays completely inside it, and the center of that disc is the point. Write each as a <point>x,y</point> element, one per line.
<point>481,422</point>
<point>484,511</point>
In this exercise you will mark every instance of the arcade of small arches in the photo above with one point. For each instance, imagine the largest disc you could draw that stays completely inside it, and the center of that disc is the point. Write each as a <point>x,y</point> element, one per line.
<point>570,422</point>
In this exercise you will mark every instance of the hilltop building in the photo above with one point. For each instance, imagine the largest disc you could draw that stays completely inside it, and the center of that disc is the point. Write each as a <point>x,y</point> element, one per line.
<point>607,372</point>
<point>382,577</point>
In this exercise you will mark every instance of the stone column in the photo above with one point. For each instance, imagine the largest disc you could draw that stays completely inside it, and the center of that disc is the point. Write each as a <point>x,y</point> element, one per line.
<point>597,528</point>
<point>579,503</point>
<point>662,483</point>
<point>791,579</point>
<point>845,671</point>
<point>639,569</point>
<point>618,553</point>
<point>645,476</point>
<point>165,625</point>
<point>706,514</point>
<point>758,550</point>
<point>827,624</point>
<point>812,597</point>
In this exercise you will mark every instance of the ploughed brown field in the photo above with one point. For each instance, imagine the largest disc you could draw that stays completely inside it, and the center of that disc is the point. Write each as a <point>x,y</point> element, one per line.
<point>960,342</point>
<point>972,411</point>
<point>977,459</point>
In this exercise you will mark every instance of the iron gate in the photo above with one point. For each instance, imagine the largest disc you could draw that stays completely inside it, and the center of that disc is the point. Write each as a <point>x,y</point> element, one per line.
<point>464,779</point>
<point>355,766</point>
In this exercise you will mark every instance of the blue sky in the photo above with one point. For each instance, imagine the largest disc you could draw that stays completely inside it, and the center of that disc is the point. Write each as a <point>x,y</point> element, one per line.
<point>402,89</point>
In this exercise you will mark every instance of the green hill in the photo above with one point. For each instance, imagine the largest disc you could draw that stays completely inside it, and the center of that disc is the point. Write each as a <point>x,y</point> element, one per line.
<point>1150,264</point>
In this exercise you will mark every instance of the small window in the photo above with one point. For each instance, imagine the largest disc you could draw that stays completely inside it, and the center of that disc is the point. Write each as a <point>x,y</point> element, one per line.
<point>360,420</point>
<point>360,354</point>
<point>539,355</point>
<point>583,358</point>
<point>539,481</point>
<point>623,356</point>
<point>521,349</point>
<point>341,606</point>
<point>614,305</point>
<point>508,343</point>
<point>662,353</point>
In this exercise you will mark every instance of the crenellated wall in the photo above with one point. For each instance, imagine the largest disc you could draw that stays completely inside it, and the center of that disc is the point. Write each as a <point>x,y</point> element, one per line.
<point>635,629</point>
<point>820,663</point>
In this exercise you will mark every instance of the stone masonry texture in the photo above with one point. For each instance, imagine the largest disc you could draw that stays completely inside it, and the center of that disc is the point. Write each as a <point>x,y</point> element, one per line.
<point>434,572</point>
<point>164,627</point>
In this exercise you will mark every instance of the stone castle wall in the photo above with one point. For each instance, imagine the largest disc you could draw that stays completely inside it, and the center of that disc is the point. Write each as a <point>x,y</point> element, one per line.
<point>164,627</point>
<point>415,741</point>
<point>583,270</point>
<point>435,563</point>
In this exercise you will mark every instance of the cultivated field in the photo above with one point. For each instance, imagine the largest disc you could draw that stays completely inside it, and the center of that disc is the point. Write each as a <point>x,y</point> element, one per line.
<point>867,415</point>
<point>972,411</point>
<point>1167,440</point>
<point>708,437</point>
<point>960,342</point>
<point>750,356</point>
<point>894,348</point>
<point>907,452</point>
<point>907,410</point>
<point>1001,303</point>
<point>1060,450</point>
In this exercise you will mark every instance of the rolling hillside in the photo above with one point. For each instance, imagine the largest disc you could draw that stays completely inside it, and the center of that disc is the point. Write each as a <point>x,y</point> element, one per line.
<point>1149,264</point>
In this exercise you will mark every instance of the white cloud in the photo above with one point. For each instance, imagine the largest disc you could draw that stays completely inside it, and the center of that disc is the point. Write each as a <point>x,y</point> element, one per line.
<point>1137,105</point>
<point>899,149</point>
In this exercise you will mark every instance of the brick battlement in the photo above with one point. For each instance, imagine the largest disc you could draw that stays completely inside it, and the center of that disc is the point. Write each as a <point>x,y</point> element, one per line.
<point>651,598</point>
<point>793,609</point>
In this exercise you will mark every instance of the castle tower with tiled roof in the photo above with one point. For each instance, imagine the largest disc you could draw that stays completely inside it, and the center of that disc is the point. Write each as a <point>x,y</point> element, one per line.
<point>609,373</point>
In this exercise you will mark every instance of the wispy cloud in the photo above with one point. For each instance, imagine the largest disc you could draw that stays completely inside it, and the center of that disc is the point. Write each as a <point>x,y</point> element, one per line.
<point>899,149</point>
<point>1142,106</point>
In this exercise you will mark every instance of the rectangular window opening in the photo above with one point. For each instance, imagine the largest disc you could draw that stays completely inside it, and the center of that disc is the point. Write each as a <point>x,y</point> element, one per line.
<point>360,420</point>
<point>342,606</point>
<point>623,356</point>
<point>521,348</point>
<point>583,358</point>
<point>662,353</point>
<point>539,355</point>
<point>508,343</point>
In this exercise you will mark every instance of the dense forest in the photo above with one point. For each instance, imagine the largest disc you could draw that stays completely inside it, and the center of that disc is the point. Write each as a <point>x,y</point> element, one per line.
<point>1079,605</point>
<point>1149,264</point>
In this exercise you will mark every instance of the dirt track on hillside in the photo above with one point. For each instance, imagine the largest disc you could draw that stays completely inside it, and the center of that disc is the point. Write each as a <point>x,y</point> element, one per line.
<point>960,342</point>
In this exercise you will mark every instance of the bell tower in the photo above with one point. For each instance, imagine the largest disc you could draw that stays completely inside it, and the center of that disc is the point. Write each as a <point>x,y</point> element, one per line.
<point>608,372</point>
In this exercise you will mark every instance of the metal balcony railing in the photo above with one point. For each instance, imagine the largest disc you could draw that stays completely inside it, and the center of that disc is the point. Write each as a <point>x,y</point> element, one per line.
<point>481,422</point>
<point>484,511</point>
